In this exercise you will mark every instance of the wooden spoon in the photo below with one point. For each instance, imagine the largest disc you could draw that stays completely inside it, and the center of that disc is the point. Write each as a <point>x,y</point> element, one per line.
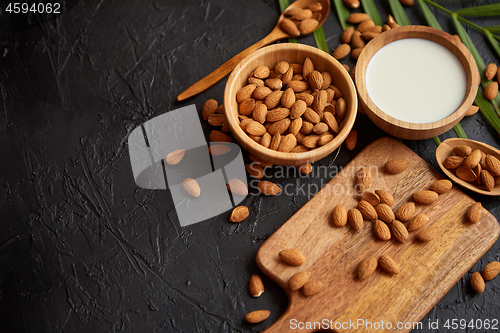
<point>273,36</point>
<point>445,149</point>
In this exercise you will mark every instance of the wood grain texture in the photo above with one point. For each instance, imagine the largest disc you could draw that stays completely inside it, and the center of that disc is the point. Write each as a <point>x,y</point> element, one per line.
<point>292,53</point>
<point>403,129</point>
<point>445,149</point>
<point>228,66</point>
<point>427,270</point>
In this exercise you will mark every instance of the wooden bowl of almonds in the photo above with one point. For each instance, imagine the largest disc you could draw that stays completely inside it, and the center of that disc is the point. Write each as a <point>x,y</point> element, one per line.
<point>290,104</point>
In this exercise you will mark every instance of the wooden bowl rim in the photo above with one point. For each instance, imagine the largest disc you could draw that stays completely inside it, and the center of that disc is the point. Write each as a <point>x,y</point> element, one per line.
<point>423,32</point>
<point>289,158</point>
<point>446,148</point>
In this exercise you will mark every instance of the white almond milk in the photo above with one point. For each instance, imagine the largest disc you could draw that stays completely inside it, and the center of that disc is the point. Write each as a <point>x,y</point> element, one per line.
<point>416,80</point>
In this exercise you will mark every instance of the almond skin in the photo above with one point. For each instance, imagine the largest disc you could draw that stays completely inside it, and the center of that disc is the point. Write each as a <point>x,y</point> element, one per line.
<point>492,165</point>
<point>268,188</point>
<point>355,219</point>
<point>351,140</point>
<point>341,51</point>
<point>239,214</point>
<point>427,234</point>
<point>257,316</point>
<point>477,282</point>
<point>490,71</point>
<point>381,230</point>
<point>399,231</point>
<point>385,197</point>
<point>288,142</point>
<point>453,162</point>
<point>385,213</point>
<point>487,180</point>
<point>388,264</point>
<point>491,270</point>
<point>298,280</point>
<point>425,197</point>
<point>406,212</point>
<point>463,151</point>
<point>255,286</point>
<point>273,99</point>
<point>367,267</point>
<point>237,187</point>
<point>473,214</point>
<point>491,90</point>
<point>473,159</point>
<point>292,257</point>
<point>339,216</point>
<point>371,197</point>
<point>175,157</point>
<point>209,108</point>
<point>245,92</point>
<point>466,174</point>
<point>255,170</point>
<point>396,166</point>
<point>367,210</point>
<point>441,186</point>
<point>312,287</point>
<point>417,222</point>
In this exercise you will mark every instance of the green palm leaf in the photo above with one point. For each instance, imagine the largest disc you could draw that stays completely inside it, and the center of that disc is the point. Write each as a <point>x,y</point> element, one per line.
<point>484,10</point>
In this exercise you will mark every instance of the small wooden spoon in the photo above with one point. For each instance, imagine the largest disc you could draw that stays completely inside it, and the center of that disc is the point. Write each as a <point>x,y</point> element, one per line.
<point>445,149</point>
<point>274,35</point>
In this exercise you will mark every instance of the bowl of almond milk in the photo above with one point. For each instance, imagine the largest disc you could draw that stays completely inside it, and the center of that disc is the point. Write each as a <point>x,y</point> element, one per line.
<point>416,82</point>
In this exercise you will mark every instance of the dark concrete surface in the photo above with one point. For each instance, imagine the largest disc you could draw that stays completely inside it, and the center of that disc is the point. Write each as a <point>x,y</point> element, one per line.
<point>82,249</point>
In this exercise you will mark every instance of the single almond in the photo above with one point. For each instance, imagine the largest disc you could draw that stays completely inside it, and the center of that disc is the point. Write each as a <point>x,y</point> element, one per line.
<point>298,108</point>
<point>315,7</point>
<point>367,267</point>
<point>273,99</point>
<point>364,178</point>
<point>275,142</point>
<point>306,128</point>
<point>281,67</point>
<point>320,128</point>
<point>255,170</point>
<point>312,287</point>
<point>385,197</point>
<point>341,51</point>
<point>427,234</point>
<point>209,108</point>
<point>491,90</point>
<point>352,138</point>
<point>268,188</point>
<point>319,102</point>
<point>312,116</point>
<point>217,119</point>
<point>331,122</point>
<point>477,282</point>
<point>292,257</point>
<point>262,92</point>
<point>399,231</point>
<point>339,216</point>
<point>353,4</point>
<point>492,164</point>
<point>218,149</point>
<point>365,25</point>
<point>298,86</point>
<point>463,151</point>
<point>218,136</point>
<point>277,114</point>
<point>307,67</point>
<point>396,166</point>
<point>357,17</point>
<point>490,71</point>
<point>346,35</point>
<point>425,197</point>
<point>472,110</point>
<point>260,113</point>
<point>371,197</point>
<point>245,92</point>
<point>325,138</point>
<point>406,212</point>
<point>192,187</point>
<point>487,180</point>
<point>356,40</point>
<point>302,15</point>
<point>298,280</point>
<point>327,80</point>
<point>255,128</point>
<point>175,157</point>
<point>262,72</point>
<point>381,230</point>
<point>417,222</point>
<point>388,264</point>
<point>295,126</point>
<point>385,213</point>
<point>367,210</point>
<point>237,186</point>
<point>258,316</point>
<point>474,212</point>
<point>279,127</point>
<point>491,270</point>
<point>315,80</point>
<point>473,159</point>
<point>288,142</point>
<point>305,169</point>
<point>255,286</point>
<point>453,162</point>
<point>355,219</point>
<point>466,174</point>
<point>441,186</point>
<point>288,99</point>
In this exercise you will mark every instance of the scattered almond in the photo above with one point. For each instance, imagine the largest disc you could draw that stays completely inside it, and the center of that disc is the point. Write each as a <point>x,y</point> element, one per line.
<point>406,212</point>
<point>292,257</point>
<point>385,213</point>
<point>441,186</point>
<point>490,71</point>
<point>339,216</point>
<point>255,286</point>
<point>239,214</point>
<point>298,280</point>
<point>491,270</point>
<point>218,150</point>
<point>396,166</point>
<point>388,264</point>
<point>427,234</point>
<point>367,267</point>
<point>364,178</point>
<point>312,287</point>
<point>371,197</point>
<point>491,90</point>
<point>385,197</point>
<point>192,187</point>
<point>367,210</point>
<point>417,222</point>
<point>355,219</point>
<point>425,197</point>
<point>473,214</point>
<point>268,188</point>
<point>175,157</point>
<point>351,140</point>
<point>237,186</point>
<point>342,51</point>
<point>399,231</point>
<point>258,316</point>
<point>381,230</point>
<point>477,282</point>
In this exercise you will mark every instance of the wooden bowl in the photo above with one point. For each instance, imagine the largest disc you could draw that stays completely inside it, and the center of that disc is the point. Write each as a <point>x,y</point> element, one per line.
<point>292,53</point>
<point>403,129</point>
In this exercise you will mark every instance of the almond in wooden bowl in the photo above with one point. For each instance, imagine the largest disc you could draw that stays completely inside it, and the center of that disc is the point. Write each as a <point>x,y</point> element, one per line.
<point>293,54</point>
<point>400,107</point>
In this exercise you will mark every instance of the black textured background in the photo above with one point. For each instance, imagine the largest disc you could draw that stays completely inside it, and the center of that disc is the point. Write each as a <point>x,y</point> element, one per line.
<point>82,249</point>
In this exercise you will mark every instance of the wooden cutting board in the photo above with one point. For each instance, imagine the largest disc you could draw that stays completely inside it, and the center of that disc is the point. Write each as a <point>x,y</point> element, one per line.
<point>427,270</point>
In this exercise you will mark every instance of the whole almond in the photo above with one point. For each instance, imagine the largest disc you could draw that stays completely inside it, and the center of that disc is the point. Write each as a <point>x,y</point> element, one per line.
<point>330,120</point>
<point>245,92</point>
<point>299,148</point>
<point>305,169</point>
<point>453,162</point>
<point>290,11</point>
<point>292,257</point>
<point>327,79</point>
<point>367,267</point>
<point>371,197</point>
<point>406,2</point>
<point>441,186</point>
<point>255,128</point>
<point>315,7</point>
<point>255,170</point>
<point>246,107</point>
<point>217,119</point>
<point>218,149</point>
<point>365,25</point>
<point>491,270</point>
<point>477,282</point>
<point>255,286</point>
<point>319,102</point>
<point>268,188</point>
<point>312,287</point>
<point>353,4</point>
<point>477,170</point>
<point>298,86</point>
<point>341,51</point>
<point>385,197</point>
<point>288,99</point>
<point>320,128</point>
<point>357,42</point>
<point>298,108</point>
<point>256,81</point>
<point>277,114</point>
<point>355,219</point>
<point>417,222</point>
<point>311,116</point>
<point>491,90</point>
<point>487,180</point>
<point>356,53</point>
<point>367,210</point>
<point>260,113</point>
<point>369,35</point>
<point>463,151</point>
<point>258,316</point>
<point>237,186</point>
<point>346,35</point>
<point>311,141</point>
<point>295,126</point>
<point>385,213</point>
<point>273,99</point>
<point>466,174</point>
<point>396,166</point>
<point>492,164</point>
<point>307,68</point>
<point>275,142</point>
<point>306,128</point>
<point>192,187</point>
<point>427,234</point>
<point>262,92</point>
<point>298,68</point>
<point>474,212</point>
<point>472,110</point>
<point>425,197</point>
<point>352,138</point>
<point>357,17</point>
<point>399,231</point>
<point>325,138</point>
<point>315,80</point>
<point>364,177</point>
<point>473,159</point>
<point>209,108</point>
<point>339,216</point>
<point>406,212</point>
<point>279,127</point>
<point>281,67</point>
<point>287,77</point>
<point>266,140</point>
<point>175,157</point>
<point>289,27</point>
<point>388,264</point>
<point>298,280</point>
<point>218,136</point>
<point>262,72</point>
<point>490,71</point>
<point>288,142</point>
<point>308,25</point>
<point>381,229</point>
<point>302,15</point>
